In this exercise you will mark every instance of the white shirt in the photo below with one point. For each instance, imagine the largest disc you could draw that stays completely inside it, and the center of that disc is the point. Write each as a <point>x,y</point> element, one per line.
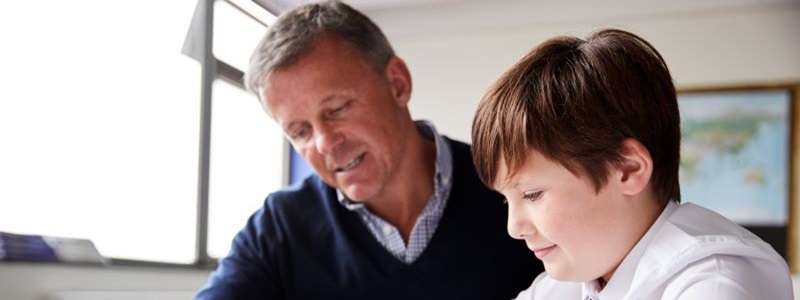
<point>689,253</point>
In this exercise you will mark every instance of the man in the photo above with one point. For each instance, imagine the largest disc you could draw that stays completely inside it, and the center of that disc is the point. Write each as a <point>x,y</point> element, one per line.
<point>396,210</point>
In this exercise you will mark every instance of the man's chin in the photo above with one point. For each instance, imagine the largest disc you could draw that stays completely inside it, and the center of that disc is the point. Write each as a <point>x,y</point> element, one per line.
<point>357,193</point>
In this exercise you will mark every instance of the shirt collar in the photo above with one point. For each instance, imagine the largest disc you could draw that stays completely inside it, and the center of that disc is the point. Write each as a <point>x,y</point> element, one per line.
<point>620,282</point>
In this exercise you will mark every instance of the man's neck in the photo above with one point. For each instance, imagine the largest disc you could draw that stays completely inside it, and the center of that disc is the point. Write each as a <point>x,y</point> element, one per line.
<point>404,200</point>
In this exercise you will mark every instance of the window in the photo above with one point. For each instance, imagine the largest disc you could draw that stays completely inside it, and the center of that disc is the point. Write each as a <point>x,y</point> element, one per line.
<point>246,163</point>
<point>100,119</point>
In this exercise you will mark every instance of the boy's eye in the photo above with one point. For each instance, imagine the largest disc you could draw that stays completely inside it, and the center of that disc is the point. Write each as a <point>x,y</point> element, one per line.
<point>532,196</point>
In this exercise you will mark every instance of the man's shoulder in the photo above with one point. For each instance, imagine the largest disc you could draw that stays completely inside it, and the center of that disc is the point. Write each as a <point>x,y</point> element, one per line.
<point>461,153</point>
<point>456,145</point>
<point>309,186</point>
<point>466,183</point>
<point>297,210</point>
<point>306,194</point>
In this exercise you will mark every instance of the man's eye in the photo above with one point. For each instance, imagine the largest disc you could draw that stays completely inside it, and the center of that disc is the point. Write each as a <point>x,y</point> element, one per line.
<point>298,134</point>
<point>532,196</point>
<point>338,110</point>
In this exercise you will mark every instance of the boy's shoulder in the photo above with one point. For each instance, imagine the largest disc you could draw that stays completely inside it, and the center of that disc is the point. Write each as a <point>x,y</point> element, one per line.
<point>694,247</point>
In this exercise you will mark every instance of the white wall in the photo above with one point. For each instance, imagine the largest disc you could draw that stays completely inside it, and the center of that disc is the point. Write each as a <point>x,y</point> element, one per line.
<point>452,70</point>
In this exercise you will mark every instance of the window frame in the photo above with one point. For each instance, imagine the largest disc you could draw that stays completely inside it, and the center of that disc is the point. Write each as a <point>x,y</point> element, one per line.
<point>212,69</point>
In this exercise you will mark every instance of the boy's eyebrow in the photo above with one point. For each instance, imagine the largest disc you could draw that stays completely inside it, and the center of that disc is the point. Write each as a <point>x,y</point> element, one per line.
<point>508,183</point>
<point>514,183</point>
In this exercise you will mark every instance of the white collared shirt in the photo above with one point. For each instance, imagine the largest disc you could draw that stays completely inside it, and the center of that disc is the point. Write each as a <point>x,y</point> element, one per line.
<point>689,253</point>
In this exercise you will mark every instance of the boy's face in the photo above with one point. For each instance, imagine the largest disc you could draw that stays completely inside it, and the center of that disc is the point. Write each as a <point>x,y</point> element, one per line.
<point>579,234</point>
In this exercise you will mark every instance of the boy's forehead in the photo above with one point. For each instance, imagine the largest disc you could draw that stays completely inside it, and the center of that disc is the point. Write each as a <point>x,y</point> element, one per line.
<point>508,177</point>
<point>501,180</point>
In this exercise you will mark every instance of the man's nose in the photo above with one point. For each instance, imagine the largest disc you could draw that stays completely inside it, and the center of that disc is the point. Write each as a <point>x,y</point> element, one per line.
<point>327,139</point>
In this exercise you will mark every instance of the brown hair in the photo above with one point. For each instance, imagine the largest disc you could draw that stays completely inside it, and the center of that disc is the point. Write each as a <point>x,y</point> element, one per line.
<point>575,101</point>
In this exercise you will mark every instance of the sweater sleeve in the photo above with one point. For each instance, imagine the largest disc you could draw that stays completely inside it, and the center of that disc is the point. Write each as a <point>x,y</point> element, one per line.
<point>248,272</point>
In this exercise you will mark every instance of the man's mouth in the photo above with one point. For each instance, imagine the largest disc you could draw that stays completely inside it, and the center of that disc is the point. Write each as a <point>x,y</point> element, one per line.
<point>352,164</point>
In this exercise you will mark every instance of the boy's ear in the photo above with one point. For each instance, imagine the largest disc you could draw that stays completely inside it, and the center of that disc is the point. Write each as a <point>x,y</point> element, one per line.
<point>399,79</point>
<point>636,166</point>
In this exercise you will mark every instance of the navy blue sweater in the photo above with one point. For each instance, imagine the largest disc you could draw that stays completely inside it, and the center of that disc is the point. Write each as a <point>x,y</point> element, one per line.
<point>303,244</point>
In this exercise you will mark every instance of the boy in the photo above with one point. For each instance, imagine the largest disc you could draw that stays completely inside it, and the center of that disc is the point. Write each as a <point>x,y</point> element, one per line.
<point>582,137</point>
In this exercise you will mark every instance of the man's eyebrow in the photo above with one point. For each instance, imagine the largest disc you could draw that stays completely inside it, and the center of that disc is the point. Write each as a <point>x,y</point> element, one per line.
<point>329,98</point>
<point>325,99</point>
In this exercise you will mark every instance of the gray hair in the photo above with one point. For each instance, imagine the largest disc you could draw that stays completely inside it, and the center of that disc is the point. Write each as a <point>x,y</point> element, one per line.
<point>295,31</point>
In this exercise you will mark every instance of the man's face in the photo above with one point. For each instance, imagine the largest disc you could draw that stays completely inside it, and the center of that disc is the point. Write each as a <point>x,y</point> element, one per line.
<point>346,120</point>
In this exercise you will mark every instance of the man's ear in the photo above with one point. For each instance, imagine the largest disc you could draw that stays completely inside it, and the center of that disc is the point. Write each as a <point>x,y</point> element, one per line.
<point>399,80</point>
<point>636,166</point>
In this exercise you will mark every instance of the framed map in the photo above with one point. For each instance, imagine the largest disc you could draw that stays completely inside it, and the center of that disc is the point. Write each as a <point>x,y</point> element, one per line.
<point>739,157</point>
<point>735,153</point>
